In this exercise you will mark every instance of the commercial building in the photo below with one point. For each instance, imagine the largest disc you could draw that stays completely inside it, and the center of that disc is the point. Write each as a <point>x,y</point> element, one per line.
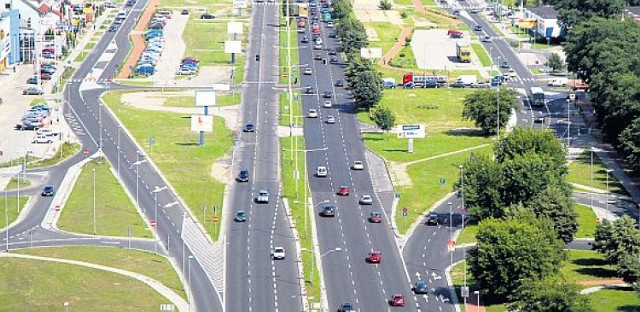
<point>543,22</point>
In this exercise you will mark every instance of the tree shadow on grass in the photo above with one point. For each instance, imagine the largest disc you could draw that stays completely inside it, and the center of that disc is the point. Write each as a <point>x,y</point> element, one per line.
<point>629,308</point>
<point>466,132</point>
<point>597,272</point>
<point>589,262</point>
<point>187,144</point>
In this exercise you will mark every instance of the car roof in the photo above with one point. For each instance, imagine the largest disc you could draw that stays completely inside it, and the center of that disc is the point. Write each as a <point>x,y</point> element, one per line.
<point>262,191</point>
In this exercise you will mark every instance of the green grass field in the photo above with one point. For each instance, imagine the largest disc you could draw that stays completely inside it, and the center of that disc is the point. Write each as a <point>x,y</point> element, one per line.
<point>190,101</point>
<point>143,262</point>
<point>580,173</point>
<point>11,207</point>
<point>176,144</point>
<point>34,285</point>
<point>586,265</point>
<point>615,300</point>
<point>387,34</point>
<point>13,184</point>
<point>482,54</point>
<point>114,211</point>
<point>586,221</point>
<point>468,234</point>
<point>65,151</point>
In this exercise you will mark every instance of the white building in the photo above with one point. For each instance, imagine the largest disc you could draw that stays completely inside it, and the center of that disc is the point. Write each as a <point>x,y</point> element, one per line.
<point>546,21</point>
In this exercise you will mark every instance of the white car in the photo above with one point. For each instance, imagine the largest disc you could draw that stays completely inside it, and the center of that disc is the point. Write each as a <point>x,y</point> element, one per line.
<point>278,253</point>
<point>327,104</point>
<point>185,71</point>
<point>357,165</point>
<point>42,139</point>
<point>366,200</point>
<point>263,197</point>
<point>312,113</point>
<point>329,24</point>
<point>486,39</point>
<point>308,71</point>
<point>331,119</point>
<point>321,172</point>
<point>512,73</point>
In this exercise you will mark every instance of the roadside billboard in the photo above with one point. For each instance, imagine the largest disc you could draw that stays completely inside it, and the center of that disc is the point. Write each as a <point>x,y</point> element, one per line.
<point>202,123</point>
<point>371,53</point>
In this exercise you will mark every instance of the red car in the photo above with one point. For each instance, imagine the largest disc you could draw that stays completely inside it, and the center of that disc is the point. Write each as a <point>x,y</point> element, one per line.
<point>397,300</point>
<point>374,257</point>
<point>375,217</point>
<point>343,191</point>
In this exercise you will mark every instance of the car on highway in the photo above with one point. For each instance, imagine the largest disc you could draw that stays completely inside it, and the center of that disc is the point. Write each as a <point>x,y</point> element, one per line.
<point>339,83</point>
<point>42,139</point>
<point>482,85</point>
<point>366,200</point>
<point>539,117</point>
<point>458,84</point>
<point>432,219</point>
<point>327,94</point>
<point>241,216</point>
<point>330,24</point>
<point>317,57</point>
<point>357,165</point>
<point>474,10</point>
<point>486,39</point>
<point>333,59</point>
<point>478,28</point>
<point>308,71</point>
<point>243,176</point>
<point>48,190</point>
<point>312,113</point>
<point>375,217</point>
<point>263,197</point>
<point>328,210</point>
<point>308,90</point>
<point>321,171</point>
<point>249,127</point>
<point>113,28</point>
<point>317,46</point>
<point>305,39</point>
<point>330,119</point>
<point>278,253</point>
<point>421,287</point>
<point>346,307</point>
<point>505,64</point>
<point>332,34</point>
<point>374,256</point>
<point>32,91</point>
<point>512,73</point>
<point>326,104</point>
<point>332,52</point>
<point>397,300</point>
<point>207,16</point>
<point>343,191</point>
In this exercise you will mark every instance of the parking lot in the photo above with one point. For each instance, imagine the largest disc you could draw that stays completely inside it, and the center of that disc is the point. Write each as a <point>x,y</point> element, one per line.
<point>433,49</point>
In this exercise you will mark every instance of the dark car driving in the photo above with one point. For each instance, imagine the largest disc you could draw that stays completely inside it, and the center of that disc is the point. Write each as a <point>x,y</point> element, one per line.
<point>48,190</point>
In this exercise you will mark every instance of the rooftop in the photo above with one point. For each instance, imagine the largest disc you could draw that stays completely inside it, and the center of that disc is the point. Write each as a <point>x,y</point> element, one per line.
<point>545,12</point>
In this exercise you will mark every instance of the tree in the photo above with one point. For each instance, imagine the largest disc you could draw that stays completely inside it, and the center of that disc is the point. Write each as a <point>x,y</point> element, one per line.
<point>482,188</point>
<point>513,252</point>
<point>384,118</point>
<point>367,90</point>
<point>341,8</point>
<point>555,63</point>
<point>617,239</point>
<point>385,5</point>
<point>552,294</point>
<point>573,11</point>
<point>482,108</point>
<point>555,204</point>
<point>630,144</point>
<point>357,65</point>
<point>629,269</point>
<point>521,141</point>
<point>353,34</point>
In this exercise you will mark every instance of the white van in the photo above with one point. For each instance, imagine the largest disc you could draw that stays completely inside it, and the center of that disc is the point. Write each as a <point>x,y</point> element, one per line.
<point>321,171</point>
<point>559,82</point>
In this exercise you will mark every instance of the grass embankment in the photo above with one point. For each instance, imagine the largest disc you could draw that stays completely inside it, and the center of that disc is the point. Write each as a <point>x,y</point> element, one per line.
<point>580,173</point>
<point>440,110</point>
<point>143,262</point>
<point>190,101</point>
<point>66,150</point>
<point>34,285</point>
<point>14,183</point>
<point>11,207</point>
<point>114,211</point>
<point>287,109</point>
<point>582,265</point>
<point>186,165</point>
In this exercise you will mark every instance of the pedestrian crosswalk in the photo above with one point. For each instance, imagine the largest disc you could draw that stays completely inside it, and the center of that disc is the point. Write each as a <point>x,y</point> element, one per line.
<point>77,128</point>
<point>80,80</point>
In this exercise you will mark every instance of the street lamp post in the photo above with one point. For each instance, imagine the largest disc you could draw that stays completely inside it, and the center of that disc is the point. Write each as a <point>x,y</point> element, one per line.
<point>94,201</point>
<point>189,271</point>
<point>477,293</point>
<point>65,305</point>
<point>118,151</point>
<point>607,204</point>
<point>137,164</point>
<point>6,214</point>
<point>462,190</point>
<point>155,197</point>
<point>313,260</point>
<point>100,124</point>
<point>591,169</point>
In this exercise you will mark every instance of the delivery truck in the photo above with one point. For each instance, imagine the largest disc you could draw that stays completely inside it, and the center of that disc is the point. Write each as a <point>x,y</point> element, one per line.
<point>463,51</point>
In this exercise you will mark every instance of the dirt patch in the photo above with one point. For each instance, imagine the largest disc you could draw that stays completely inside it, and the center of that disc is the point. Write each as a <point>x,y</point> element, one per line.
<point>602,282</point>
<point>221,169</point>
<point>399,175</point>
<point>368,11</point>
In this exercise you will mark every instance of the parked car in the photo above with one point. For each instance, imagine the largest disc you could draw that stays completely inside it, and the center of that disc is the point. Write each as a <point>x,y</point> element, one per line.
<point>48,55</point>
<point>185,71</point>
<point>32,80</point>
<point>32,91</point>
<point>190,60</point>
<point>185,12</point>
<point>42,139</point>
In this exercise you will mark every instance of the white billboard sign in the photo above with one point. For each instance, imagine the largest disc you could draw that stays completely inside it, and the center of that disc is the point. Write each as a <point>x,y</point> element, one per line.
<point>239,4</point>
<point>232,47</point>
<point>201,123</point>
<point>411,132</point>
<point>234,28</point>
<point>371,53</point>
<point>205,98</point>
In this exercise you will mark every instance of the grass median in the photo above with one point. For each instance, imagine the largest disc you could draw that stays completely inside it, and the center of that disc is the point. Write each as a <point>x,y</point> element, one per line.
<point>580,173</point>
<point>143,262</point>
<point>435,157</point>
<point>482,54</point>
<point>11,207</point>
<point>293,34</point>
<point>187,166</point>
<point>35,285</point>
<point>114,211</point>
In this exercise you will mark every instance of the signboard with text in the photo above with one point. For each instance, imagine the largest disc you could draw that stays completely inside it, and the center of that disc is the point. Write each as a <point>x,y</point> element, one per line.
<point>411,132</point>
<point>201,123</point>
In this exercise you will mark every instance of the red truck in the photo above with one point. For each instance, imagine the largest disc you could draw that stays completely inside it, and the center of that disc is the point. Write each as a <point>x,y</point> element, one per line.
<point>452,33</point>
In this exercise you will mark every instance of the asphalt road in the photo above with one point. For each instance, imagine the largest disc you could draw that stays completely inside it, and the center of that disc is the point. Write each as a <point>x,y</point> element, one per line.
<point>347,275</point>
<point>255,282</point>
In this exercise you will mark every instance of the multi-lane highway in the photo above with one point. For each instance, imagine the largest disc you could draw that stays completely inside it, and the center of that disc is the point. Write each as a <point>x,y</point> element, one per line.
<point>255,281</point>
<point>345,240</point>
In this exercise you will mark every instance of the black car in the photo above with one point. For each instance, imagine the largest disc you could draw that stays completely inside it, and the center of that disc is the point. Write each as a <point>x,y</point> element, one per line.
<point>305,39</point>
<point>333,59</point>
<point>207,16</point>
<point>339,83</point>
<point>432,219</point>
<point>430,84</point>
<point>243,176</point>
<point>328,211</point>
<point>421,287</point>
<point>185,12</point>
<point>112,28</point>
<point>458,84</point>
<point>32,80</point>
<point>326,94</point>
<point>308,90</point>
<point>478,28</point>
<point>332,34</point>
<point>26,125</point>
<point>346,307</point>
<point>48,190</point>
<point>249,128</point>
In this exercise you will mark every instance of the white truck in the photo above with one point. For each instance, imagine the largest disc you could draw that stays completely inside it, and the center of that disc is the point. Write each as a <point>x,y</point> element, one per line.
<point>468,80</point>
<point>559,82</point>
